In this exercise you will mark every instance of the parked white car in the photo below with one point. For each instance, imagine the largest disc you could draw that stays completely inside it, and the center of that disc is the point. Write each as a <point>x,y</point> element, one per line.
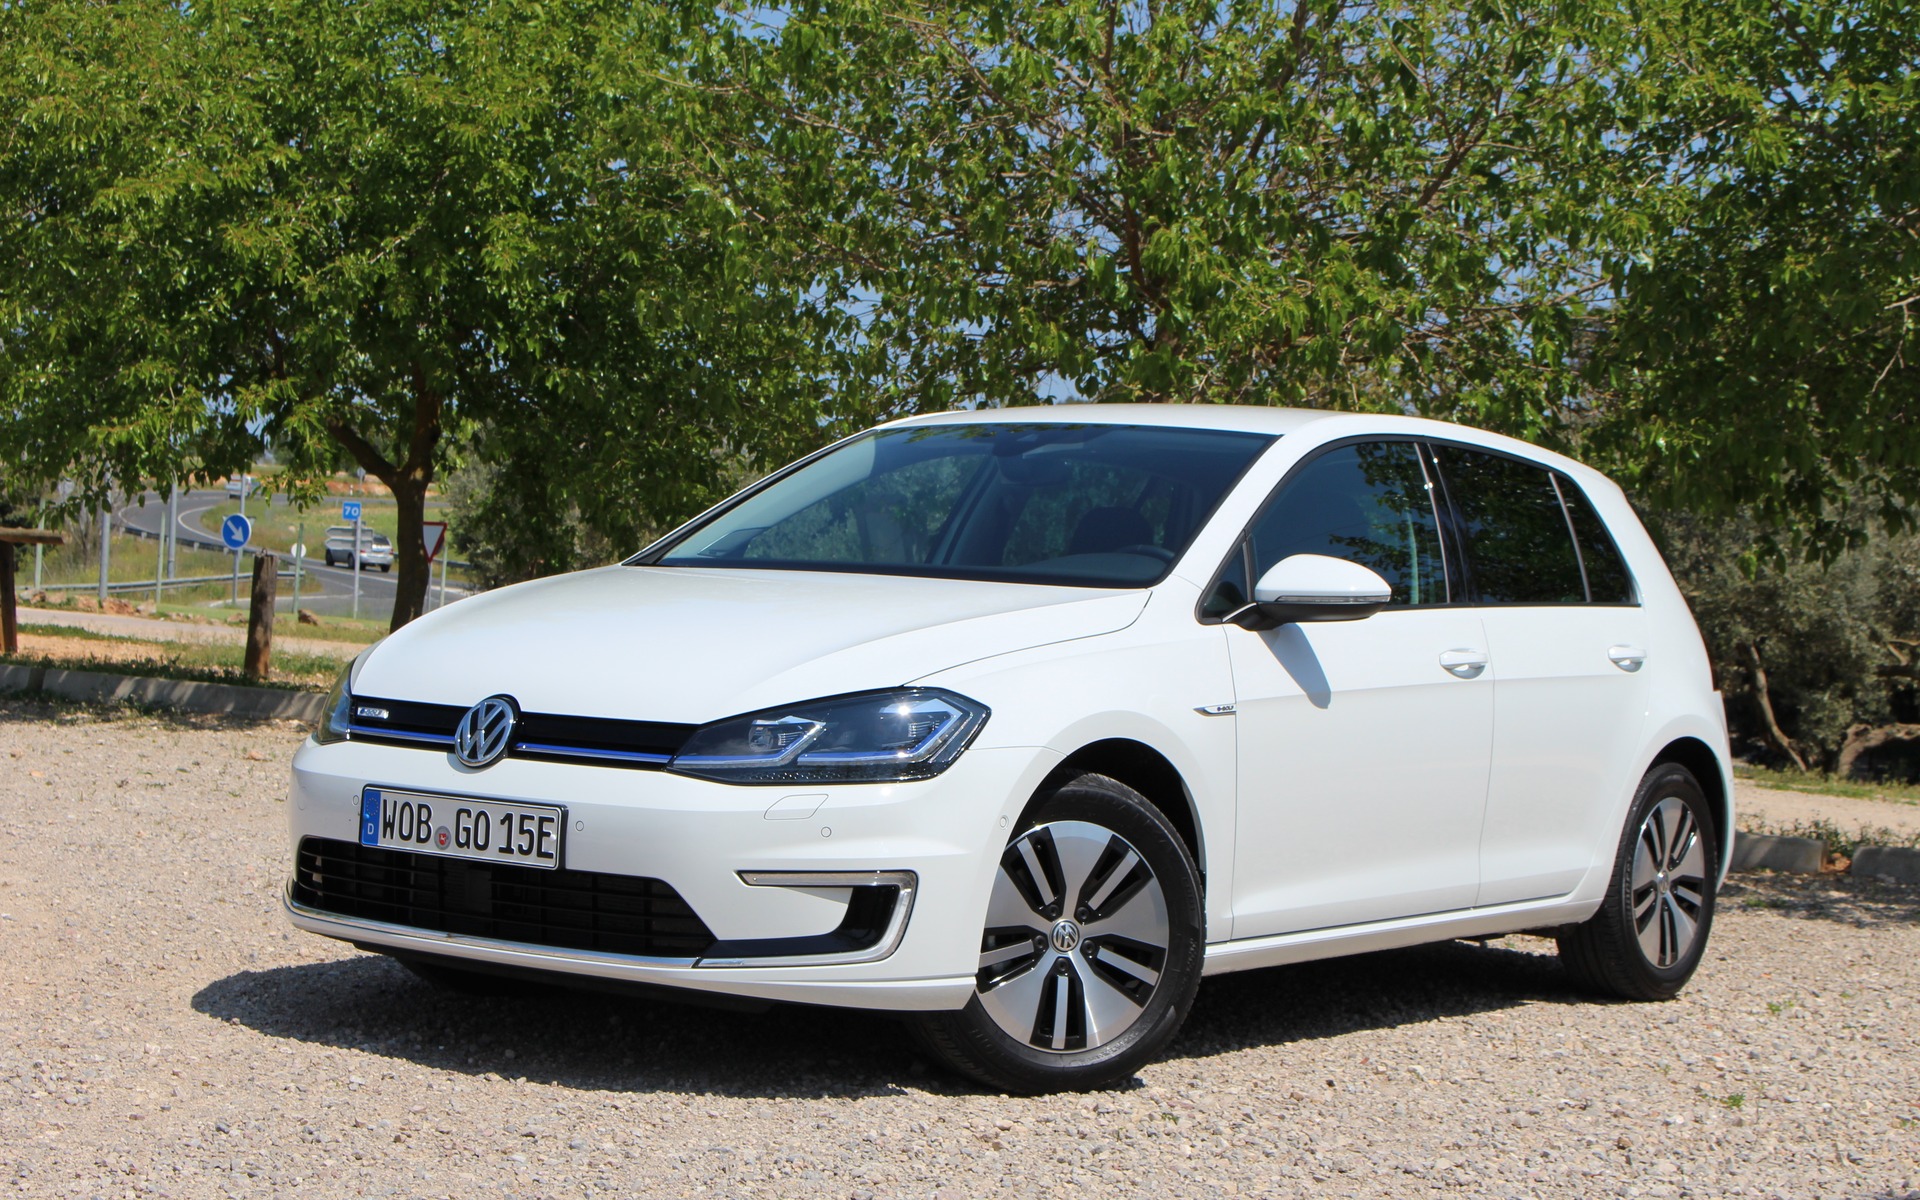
<point>1019,722</point>
<point>376,549</point>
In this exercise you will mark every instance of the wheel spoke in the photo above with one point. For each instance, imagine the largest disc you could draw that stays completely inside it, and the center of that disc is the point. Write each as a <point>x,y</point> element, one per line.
<point>1008,908</point>
<point>1113,880</point>
<point>1143,918</point>
<point>1651,928</point>
<point>1682,928</point>
<point>1108,1009</point>
<point>1078,855</point>
<point>1683,838</point>
<point>1043,887</point>
<point>1062,995</point>
<point>1005,954</point>
<point>1107,956</point>
<point>1643,868</point>
<point>1014,1004</point>
<point>1692,867</point>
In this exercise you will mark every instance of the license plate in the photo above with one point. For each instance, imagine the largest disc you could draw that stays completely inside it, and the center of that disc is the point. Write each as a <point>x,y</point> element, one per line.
<point>526,835</point>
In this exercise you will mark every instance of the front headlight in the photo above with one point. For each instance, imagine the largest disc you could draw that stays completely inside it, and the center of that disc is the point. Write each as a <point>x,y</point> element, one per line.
<point>914,733</point>
<point>335,718</point>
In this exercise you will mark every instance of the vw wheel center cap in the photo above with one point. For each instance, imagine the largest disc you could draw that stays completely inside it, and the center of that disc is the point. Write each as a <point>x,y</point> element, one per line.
<point>486,731</point>
<point>1066,935</point>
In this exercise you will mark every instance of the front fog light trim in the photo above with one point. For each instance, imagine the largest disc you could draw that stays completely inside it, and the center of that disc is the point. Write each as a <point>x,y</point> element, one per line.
<point>860,938</point>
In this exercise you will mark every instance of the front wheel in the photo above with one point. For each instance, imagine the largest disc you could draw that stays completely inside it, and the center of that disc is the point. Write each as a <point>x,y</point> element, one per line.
<point>1649,933</point>
<point>1091,950</point>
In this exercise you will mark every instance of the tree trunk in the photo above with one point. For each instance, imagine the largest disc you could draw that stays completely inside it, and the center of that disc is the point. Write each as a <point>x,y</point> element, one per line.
<point>412,571</point>
<point>1862,738</point>
<point>1764,694</point>
<point>408,481</point>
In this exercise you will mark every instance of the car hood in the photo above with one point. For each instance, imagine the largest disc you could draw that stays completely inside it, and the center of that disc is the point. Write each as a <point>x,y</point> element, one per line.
<point>687,644</point>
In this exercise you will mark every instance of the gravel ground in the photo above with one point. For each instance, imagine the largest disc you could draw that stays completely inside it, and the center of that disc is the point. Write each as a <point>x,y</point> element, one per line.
<point>163,1031</point>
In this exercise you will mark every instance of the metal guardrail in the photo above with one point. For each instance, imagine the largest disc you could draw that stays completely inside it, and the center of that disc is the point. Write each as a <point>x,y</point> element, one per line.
<point>146,585</point>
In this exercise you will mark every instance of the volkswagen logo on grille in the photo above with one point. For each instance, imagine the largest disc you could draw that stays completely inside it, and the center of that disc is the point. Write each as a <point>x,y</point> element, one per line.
<point>485,732</point>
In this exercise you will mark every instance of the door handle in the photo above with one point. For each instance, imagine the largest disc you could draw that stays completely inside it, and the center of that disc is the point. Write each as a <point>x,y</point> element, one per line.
<point>1627,658</point>
<point>1465,664</point>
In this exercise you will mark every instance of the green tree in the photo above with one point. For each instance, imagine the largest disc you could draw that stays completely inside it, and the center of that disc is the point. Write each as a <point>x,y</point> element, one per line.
<point>1820,659</point>
<point>1762,353</point>
<point>387,226</point>
<point>1314,203</point>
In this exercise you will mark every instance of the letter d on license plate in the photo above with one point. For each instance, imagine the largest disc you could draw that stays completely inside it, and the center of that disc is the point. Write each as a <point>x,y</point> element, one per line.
<point>526,835</point>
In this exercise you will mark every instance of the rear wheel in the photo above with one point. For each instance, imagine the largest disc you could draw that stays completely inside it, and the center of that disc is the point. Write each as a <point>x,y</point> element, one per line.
<point>1651,930</point>
<point>1091,951</point>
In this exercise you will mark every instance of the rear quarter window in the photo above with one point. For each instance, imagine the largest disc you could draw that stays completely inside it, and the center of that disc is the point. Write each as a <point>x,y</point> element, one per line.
<point>1608,581</point>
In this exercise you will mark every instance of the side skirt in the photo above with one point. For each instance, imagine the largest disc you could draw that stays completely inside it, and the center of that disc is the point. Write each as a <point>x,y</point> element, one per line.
<point>1310,944</point>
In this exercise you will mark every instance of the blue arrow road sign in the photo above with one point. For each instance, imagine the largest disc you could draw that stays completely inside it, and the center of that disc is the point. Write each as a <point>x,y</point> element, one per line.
<point>349,510</point>
<point>235,531</point>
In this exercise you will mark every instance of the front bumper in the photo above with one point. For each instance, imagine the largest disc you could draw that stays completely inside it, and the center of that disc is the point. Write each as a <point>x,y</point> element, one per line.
<point>738,856</point>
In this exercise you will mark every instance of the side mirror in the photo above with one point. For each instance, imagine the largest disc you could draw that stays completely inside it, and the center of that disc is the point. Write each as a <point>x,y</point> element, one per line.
<point>1315,587</point>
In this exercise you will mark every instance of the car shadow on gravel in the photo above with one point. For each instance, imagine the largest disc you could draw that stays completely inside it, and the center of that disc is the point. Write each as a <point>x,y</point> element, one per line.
<point>1333,997</point>
<point>586,1040</point>
<point>639,1044</point>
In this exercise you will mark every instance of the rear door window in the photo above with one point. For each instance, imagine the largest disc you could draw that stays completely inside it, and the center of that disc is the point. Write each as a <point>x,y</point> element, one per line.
<point>1519,544</point>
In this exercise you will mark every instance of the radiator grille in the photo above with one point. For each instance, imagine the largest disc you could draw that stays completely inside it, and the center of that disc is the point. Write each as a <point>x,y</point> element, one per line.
<point>567,910</point>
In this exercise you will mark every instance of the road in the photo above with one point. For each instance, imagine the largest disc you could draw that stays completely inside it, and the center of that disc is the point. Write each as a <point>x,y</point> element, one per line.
<point>324,589</point>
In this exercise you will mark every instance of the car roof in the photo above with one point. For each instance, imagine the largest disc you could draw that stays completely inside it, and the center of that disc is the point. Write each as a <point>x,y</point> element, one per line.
<point>1248,418</point>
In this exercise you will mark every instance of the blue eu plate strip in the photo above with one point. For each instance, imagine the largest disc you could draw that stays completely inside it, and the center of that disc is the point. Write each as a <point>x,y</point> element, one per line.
<point>370,817</point>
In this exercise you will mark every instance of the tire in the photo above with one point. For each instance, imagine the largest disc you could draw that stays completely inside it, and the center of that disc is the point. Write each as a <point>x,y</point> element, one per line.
<point>386,566</point>
<point>1067,1000</point>
<point>328,554</point>
<point>1651,930</point>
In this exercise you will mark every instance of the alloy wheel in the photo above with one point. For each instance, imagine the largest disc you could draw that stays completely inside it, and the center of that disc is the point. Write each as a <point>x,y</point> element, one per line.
<point>1669,882</point>
<point>1076,938</point>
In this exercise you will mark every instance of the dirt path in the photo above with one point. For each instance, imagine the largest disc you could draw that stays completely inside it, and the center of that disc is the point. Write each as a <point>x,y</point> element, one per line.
<point>149,629</point>
<point>1776,808</point>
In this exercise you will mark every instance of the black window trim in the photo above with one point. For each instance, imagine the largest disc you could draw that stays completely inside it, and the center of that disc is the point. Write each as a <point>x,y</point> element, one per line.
<point>1458,520</point>
<point>1452,528</point>
<point>1451,557</point>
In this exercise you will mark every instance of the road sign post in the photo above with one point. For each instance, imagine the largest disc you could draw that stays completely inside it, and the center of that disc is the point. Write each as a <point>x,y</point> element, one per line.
<point>106,546</point>
<point>299,562</point>
<point>350,511</point>
<point>235,532</point>
<point>433,535</point>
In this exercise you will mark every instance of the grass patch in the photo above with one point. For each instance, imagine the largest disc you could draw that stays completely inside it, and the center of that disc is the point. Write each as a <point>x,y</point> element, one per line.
<point>1828,785</point>
<point>168,668</point>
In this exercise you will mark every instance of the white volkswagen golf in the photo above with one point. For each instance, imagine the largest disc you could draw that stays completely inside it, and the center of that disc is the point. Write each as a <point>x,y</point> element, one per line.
<point>1019,722</point>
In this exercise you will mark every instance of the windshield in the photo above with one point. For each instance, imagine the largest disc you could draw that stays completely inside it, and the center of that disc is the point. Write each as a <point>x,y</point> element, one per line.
<point>1087,505</point>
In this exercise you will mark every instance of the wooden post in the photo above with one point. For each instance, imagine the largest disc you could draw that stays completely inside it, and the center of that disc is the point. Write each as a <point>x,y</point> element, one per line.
<point>9,619</point>
<point>266,586</point>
